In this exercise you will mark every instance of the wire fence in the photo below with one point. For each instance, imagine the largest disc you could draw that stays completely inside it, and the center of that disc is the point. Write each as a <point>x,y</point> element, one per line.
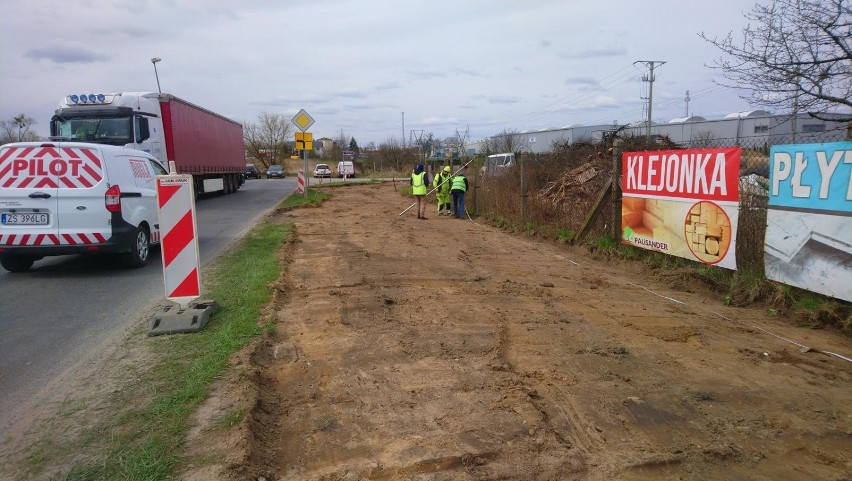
<point>555,193</point>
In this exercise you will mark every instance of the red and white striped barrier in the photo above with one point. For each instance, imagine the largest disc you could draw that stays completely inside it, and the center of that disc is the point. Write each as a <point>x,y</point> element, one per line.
<point>300,188</point>
<point>176,204</point>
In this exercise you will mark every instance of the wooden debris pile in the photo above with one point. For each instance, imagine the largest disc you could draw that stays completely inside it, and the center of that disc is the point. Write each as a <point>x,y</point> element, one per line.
<point>584,182</point>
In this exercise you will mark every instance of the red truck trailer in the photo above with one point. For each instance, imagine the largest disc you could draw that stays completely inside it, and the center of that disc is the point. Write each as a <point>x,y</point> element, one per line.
<point>201,143</point>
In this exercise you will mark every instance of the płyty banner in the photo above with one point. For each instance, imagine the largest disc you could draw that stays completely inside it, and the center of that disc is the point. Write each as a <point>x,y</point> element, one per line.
<point>809,222</point>
<point>682,202</point>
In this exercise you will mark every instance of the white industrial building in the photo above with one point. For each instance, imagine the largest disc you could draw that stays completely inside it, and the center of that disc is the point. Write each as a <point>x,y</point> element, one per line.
<point>752,129</point>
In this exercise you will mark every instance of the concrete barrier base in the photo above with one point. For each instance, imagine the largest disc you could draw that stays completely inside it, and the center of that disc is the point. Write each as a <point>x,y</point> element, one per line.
<point>177,320</point>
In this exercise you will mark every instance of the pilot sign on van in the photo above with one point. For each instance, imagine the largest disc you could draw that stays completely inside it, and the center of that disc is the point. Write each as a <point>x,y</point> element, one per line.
<point>47,167</point>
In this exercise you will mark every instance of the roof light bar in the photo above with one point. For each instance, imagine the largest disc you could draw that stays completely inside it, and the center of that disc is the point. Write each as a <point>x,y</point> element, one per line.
<point>89,99</point>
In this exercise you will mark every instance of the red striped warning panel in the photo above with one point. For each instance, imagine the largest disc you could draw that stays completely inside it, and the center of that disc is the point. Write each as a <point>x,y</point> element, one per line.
<point>179,242</point>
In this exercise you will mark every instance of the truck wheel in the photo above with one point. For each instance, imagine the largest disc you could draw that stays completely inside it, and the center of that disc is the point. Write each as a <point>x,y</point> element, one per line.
<point>140,249</point>
<point>14,263</point>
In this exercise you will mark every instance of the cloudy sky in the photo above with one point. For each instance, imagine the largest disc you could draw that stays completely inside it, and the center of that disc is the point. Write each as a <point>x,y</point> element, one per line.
<point>475,66</point>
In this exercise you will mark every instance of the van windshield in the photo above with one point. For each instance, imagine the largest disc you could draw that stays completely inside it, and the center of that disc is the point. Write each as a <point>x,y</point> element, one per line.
<point>107,130</point>
<point>498,160</point>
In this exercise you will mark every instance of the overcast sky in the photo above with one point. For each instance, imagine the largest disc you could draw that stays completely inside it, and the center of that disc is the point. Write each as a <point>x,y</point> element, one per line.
<point>469,65</point>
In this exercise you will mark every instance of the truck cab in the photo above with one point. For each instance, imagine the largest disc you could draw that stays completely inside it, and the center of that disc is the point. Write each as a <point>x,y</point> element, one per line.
<point>132,120</point>
<point>203,144</point>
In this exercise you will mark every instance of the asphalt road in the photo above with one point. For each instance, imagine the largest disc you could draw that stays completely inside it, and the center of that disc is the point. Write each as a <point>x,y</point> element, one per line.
<point>54,316</point>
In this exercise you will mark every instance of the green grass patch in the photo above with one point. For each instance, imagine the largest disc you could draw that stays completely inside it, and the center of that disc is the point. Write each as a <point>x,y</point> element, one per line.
<point>606,243</point>
<point>565,235</point>
<point>231,418</point>
<point>315,197</point>
<point>142,441</point>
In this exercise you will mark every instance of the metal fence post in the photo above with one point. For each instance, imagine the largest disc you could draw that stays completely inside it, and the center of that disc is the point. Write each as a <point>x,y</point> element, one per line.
<point>524,206</point>
<point>476,190</point>
<point>617,147</point>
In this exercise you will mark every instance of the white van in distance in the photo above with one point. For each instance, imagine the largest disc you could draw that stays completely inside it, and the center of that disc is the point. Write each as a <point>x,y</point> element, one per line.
<point>76,198</point>
<point>345,169</point>
<point>497,163</point>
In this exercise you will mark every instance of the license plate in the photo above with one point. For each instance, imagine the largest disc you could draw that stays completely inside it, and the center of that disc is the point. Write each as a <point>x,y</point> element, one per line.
<point>24,219</point>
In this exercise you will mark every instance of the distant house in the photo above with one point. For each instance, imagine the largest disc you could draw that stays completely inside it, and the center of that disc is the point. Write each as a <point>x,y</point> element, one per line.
<point>323,145</point>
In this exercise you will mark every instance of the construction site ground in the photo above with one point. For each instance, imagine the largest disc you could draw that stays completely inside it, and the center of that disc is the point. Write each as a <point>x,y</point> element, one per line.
<point>445,349</point>
<point>448,349</point>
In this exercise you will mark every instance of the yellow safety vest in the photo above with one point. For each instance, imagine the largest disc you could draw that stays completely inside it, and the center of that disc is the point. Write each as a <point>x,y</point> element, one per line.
<point>458,183</point>
<point>418,183</point>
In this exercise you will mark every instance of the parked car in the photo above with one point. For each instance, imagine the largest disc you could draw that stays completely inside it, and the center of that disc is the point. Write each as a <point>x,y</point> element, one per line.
<point>252,172</point>
<point>322,170</point>
<point>275,172</point>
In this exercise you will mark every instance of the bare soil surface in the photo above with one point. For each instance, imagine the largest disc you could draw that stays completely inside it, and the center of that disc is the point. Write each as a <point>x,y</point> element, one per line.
<point>443,349</point>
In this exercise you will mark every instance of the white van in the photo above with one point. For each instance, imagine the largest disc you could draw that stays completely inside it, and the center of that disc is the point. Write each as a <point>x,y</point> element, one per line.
<point>345,169</point>
<point>75,198</point>
<point>497,163</point>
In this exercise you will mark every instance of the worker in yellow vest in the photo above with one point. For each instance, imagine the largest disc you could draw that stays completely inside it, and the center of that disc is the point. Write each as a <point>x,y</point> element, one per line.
<point>442,185</point>
<point>419,181</point>
<point>458,187</point>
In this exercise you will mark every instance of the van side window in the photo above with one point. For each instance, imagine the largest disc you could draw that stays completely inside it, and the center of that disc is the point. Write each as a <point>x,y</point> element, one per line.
<point>158,169</point>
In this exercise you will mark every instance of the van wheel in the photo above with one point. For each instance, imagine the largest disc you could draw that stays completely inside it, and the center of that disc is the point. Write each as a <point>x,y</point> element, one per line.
<point>16,263</point>
<point>140,249</point>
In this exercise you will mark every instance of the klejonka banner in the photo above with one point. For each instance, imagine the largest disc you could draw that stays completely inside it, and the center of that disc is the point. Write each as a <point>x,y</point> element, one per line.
<point>682,202</point>
<point>809,222</point>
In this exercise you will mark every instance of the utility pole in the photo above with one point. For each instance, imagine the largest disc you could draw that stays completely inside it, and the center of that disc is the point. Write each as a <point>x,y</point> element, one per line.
<point>403,131</point>
<point>650,79</point>
<point>686,110</point>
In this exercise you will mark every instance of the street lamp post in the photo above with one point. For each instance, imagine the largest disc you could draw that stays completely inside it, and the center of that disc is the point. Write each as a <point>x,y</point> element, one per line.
<point>154,61</point>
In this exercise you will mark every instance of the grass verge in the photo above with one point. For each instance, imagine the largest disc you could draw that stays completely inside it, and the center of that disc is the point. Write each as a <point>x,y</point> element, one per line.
<point>148,421</point>
<point>144,441</point>
<point>315,197</point>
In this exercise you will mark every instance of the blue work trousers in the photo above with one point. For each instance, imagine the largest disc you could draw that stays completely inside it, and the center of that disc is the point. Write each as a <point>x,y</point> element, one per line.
<point>458,204</point>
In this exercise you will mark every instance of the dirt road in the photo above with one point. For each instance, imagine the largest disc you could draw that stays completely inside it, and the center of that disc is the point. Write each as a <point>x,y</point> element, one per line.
<point>448,350</point>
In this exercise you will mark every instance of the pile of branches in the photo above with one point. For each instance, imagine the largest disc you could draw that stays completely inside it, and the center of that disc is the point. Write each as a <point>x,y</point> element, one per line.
<point>583,182</point>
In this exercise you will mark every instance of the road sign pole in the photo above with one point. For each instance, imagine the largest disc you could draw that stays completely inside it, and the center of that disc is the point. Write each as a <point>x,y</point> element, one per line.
<point>303,120</point>
<point>305,155</point>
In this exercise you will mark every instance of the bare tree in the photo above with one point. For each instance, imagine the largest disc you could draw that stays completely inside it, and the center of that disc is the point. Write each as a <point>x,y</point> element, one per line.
<point>795,53</point>
<point>425,143</point>
<point>392,154</point>
<point>704,139</point>
<point>509,140</point>
<point>339,144</point>
<point>17,129</point>
<point>267,140</point>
